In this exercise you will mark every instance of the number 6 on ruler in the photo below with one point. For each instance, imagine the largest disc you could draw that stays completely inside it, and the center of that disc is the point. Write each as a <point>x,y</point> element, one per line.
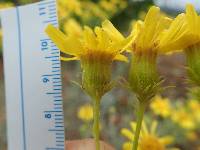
<point>33,78</point>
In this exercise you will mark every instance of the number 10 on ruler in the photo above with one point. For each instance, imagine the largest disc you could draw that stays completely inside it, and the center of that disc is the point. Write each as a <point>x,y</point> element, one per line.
<point>33,78</point>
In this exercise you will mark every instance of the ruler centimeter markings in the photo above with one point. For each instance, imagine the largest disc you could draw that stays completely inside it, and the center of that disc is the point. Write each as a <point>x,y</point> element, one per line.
<point>32,67</point>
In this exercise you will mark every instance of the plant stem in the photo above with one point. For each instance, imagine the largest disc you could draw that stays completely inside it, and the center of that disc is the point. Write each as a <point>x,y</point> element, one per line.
<point>140,115</point>
<point>96,112</point>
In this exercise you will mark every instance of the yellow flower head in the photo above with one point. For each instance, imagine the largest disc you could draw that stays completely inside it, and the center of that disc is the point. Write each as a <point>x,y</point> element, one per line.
<point>194,107</point>
<point>183,32</point>
<point>96,50</point>
<point>161,106</point>
<point>85,113</point>
<point>68,6</point>
<point>149,140</point>
<point>146,34</point>
<point>113,6</point>
<point>144,79</point>
<point>192,135</point>
<point>183,118</point>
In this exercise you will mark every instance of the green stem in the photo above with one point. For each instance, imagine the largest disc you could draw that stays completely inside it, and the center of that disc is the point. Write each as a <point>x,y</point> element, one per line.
<point>140,115</point>
<point>96,111</point>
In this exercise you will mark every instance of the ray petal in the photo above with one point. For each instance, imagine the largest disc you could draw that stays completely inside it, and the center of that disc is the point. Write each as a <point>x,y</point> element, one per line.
<point>67,44</point>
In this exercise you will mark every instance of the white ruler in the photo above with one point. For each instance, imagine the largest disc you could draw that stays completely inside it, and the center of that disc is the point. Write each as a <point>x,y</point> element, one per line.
<point>33,78</point>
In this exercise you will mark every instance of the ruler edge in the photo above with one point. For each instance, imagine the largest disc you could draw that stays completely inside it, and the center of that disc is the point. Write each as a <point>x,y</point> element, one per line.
<point>43,2</point>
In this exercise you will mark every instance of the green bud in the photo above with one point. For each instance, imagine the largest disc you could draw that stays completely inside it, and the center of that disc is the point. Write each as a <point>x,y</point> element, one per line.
<point>144,80</point>
<point>96,75</point>
<point>193,63</point>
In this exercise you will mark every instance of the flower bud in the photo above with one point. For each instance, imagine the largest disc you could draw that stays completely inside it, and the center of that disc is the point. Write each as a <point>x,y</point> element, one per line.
<point>96,77</point>
<point>144,80</point>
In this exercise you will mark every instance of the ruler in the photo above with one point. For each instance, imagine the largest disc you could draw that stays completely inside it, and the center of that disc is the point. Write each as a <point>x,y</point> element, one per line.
<point>32,78</point>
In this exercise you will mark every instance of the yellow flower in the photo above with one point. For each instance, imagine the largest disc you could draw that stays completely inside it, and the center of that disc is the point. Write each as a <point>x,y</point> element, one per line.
<point>144,79</point>
<point>127,146</point>
<point>194,107</point>
<point>183,118</point>
<point>68,6</point>
<point>149,140</point>
<point>192,135</point>
<point>92,10</point>
<point>85,113</point>
<point>183,32</point>
<point>113,6</point>
<point>96,50</point>
<point>147,34</point>
<point>161,106</point>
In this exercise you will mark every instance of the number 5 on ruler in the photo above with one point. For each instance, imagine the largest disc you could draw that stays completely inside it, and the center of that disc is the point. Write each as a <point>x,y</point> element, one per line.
<point>33,78</point>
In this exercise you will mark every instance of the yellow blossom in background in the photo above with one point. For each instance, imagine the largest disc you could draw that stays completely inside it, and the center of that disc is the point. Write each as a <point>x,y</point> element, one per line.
<point>192,135</point>
<point>183,118</point>
<point>194,107</point>
<point>68,7</point>
<point>148,140</point>
<point>85,113</point>
<point>92,10</point>
<point>161,106</point>
<point>113,6</point>
<point>88,11</point>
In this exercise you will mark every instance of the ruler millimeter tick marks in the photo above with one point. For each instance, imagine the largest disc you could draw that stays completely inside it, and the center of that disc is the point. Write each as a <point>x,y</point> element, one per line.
<point>33,78</point>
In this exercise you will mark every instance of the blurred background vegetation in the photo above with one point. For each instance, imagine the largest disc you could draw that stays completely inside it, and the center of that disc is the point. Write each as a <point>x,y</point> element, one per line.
<point>177,111</point>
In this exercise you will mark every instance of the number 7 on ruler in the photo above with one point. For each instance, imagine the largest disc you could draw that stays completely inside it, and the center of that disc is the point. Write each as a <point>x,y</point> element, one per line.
<point>33,78</point>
